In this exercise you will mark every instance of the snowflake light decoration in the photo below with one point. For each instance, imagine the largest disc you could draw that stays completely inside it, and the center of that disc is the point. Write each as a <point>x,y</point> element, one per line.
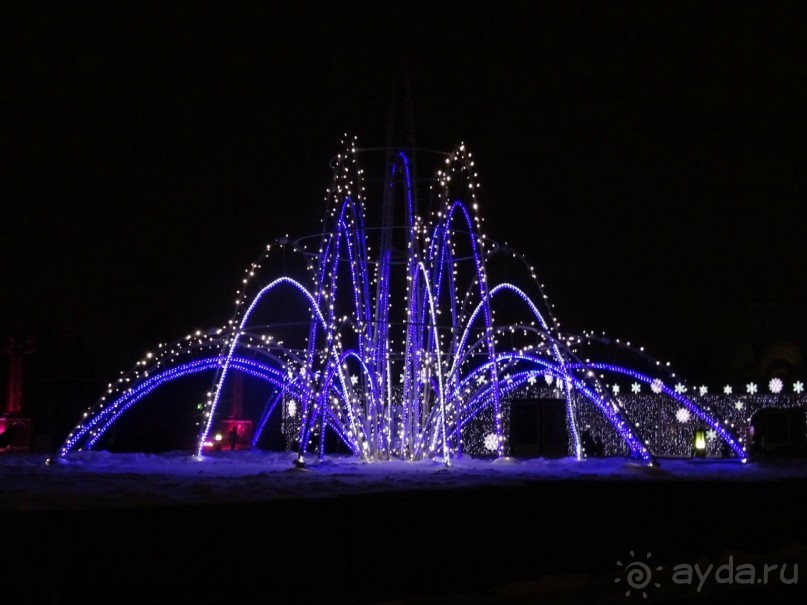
<point>703,390</point>
<point>635,387</point>
<point>656,386</point>
<point>798,386</point>
<point>751,388</point>
<point>682,415</point>
<point>775,385</point>
<point>739,405</point>
<point>727,390</point>
<point>680,388</point>
<point>491,443</point>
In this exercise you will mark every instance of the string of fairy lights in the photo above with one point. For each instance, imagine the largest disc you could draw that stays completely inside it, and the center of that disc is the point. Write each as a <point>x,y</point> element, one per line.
<point>406,344</point>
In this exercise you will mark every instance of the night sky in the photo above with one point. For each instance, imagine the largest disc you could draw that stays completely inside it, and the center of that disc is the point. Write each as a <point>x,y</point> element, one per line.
<point>649,160</point>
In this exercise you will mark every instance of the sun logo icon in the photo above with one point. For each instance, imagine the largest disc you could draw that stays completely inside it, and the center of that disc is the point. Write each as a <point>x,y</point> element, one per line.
<point>638,575</point>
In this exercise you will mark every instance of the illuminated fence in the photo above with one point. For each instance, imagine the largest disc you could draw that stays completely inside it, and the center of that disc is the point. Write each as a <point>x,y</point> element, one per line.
<point>667,428</point>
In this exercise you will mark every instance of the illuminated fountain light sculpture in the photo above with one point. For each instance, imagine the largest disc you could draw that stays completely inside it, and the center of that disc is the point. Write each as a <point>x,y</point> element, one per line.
<point>396,334</point>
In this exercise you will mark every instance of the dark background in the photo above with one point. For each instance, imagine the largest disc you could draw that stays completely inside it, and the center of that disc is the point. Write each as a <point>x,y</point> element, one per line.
<point>648,159</point>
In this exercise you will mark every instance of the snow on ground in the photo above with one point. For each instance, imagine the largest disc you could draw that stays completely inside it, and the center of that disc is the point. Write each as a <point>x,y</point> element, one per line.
<point>102,479</point>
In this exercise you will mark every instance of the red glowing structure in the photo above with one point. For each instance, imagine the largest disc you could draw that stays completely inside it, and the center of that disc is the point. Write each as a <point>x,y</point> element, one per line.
<point>235,432</point>
<point>15,429</point>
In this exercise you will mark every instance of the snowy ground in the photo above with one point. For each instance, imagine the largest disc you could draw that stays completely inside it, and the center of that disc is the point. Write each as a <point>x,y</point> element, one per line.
<point>88,480</point>
<point>251,527</point>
